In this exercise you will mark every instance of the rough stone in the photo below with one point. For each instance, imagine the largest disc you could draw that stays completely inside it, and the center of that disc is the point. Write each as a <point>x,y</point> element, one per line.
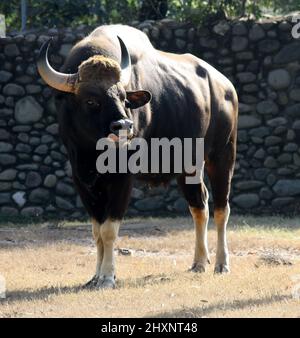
<point>239,28</point>
<point>296,159</point>
<point>28,111</point>
<point>282,202</point>
<point>39,196</point>
<point>65,49</point>
<point>261,173</point>
<point>5,186</point>
<point>279,79</point>
<point>284,158</point>
<point>242,136</point>
<point>137,193</point>
<point>246,77</point>
<point>52,129</point>
<point>248,185</point>
<point>293,111</point>
<point>239,43</point>
<point>23,137</point>
<point>265,193</point>
<point>181,205</point>
<point>23,148</point>
<point>251,88</point>
<point>149,203</point>
<point>246,201</point>
<point>11,50</point>
<point>278,121</point>
<point>267,107</point>
<point>272,140</point>
<point>4,198</point>
<point>260,154</point>
<point>295,94</point>
<point>296,125</point>
<point>5,112</point>
<point>290,147</point>
<point>56,156</point>
<point>19,198</point>
<point>33,179</point>
<point>288,53</point>
<point>64,189</point>
<point>5,76</point>
<point>268,46</point>
<point>7,159</point>
<point>221,28</point>
<point>280,130</point>
<point>32,212</point>
<point>9,211</point>
<point>270,162</point>
<point>256,33</point>
<point>244,108</point>
<point>47,139</point>
<point>8,175</point>
<point>180,44</point>
<point>50,181</point>
<point>33,89</point>
<point>13,90</point>
<point>260,131</point>
<point>287,187</point>
<point>41,149</point>
<point>63,203</point>
<point>246,122</point>
<point>4,135</point>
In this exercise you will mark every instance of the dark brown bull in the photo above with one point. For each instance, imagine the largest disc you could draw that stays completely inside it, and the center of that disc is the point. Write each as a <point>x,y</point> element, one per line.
<point>106,81</point>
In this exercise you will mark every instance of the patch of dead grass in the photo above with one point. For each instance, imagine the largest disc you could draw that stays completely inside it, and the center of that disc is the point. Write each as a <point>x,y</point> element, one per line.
<point>45,268</point>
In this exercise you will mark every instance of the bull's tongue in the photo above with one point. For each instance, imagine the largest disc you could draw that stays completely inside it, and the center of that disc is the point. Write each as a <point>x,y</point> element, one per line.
<point>113,137</point>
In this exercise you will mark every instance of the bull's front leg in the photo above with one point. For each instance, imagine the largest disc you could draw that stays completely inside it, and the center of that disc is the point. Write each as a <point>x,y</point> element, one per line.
<point>107,208</point>
<point>100,250</point>
<point>109,232</point>
<point>105,235</point>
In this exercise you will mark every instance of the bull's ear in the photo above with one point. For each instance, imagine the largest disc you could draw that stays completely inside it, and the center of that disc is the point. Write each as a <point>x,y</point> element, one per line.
<point>138,98</point>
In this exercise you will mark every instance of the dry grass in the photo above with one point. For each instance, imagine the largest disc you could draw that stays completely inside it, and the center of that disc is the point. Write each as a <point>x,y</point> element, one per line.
<point>44,268</point>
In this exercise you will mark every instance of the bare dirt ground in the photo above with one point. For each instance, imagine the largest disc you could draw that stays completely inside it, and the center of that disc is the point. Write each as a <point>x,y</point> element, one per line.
<point>45,266</point>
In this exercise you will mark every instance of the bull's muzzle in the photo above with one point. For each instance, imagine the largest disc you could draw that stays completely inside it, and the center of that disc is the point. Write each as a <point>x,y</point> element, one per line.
<point>123,124</point>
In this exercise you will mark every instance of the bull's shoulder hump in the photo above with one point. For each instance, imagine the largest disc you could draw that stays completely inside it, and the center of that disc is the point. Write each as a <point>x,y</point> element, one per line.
<point>133,38</point>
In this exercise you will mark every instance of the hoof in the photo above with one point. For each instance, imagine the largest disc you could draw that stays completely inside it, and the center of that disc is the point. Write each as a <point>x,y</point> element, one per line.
<point>106,283</point>
<point>222,268</point>
<point>91,284</point>
<point>198,267</point>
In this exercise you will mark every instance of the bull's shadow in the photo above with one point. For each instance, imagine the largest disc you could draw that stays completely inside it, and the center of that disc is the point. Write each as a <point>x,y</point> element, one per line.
<point>194,312</point>
<point>45,292</point>
<point>205,310</point>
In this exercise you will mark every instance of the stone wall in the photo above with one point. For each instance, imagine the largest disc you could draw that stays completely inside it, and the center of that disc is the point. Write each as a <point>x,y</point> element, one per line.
<point>260,58</point>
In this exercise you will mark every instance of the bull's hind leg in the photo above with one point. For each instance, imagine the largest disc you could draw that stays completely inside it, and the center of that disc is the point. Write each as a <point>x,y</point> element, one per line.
<point>219,170</point>
<point>197,197</point>
<point>221,216</point>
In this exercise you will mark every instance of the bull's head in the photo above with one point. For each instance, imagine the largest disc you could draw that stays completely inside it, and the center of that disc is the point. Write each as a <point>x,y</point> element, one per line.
<point>100,104</point>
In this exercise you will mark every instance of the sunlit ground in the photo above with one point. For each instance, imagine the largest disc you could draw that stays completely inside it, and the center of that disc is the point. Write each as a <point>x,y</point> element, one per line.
<point>44,268</point>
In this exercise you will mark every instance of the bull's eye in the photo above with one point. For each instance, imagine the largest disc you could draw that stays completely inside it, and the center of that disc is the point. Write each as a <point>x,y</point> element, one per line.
<point>92,103</point>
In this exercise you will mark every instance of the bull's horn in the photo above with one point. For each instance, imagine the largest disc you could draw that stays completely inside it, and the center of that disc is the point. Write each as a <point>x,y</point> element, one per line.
<point>59,81</point>
<point>125,63</point>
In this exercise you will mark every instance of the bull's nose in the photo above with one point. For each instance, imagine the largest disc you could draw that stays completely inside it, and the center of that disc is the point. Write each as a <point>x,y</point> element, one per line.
<point>124,124</point>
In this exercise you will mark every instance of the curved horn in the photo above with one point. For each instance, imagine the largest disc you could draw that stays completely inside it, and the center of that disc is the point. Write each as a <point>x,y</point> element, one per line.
<point>125,63</point>
<point>60,81</point>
